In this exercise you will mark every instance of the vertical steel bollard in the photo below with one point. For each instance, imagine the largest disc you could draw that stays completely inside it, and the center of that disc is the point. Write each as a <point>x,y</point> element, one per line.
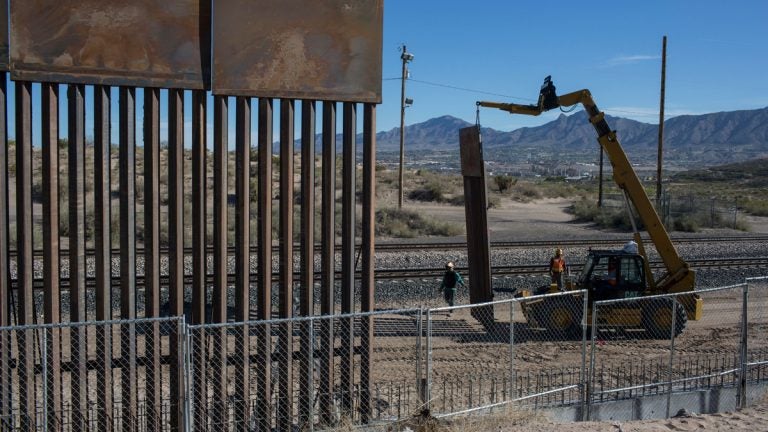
<point>742,401</point>
<point>583,374</point>
<point>671,353</point>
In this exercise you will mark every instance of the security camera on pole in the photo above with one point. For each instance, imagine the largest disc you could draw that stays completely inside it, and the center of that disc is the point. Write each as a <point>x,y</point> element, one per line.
<point>407,58</point>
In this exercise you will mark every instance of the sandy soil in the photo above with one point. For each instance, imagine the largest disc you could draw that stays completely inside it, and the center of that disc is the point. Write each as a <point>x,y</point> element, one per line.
<point>456,350</point>
<point>541,219</point>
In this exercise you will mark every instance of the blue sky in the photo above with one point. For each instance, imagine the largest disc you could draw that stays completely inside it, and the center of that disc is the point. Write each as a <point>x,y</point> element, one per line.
<point>501,50</point>
<point>716,56</point>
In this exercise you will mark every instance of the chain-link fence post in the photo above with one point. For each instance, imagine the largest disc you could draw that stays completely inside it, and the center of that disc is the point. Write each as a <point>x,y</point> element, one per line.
<point>583,374</point>
<point>44,384</point>
<point>592,365</point>
<point>420,382</point>
<point>428,389</point>
<point>512,373</point>
<point>742,401</point>
<point>183,374</point>
<point>310,426</point>
<point>671,354</point>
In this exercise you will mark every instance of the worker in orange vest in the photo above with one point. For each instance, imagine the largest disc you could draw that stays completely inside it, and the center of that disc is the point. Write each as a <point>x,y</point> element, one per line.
<point>557,269</point>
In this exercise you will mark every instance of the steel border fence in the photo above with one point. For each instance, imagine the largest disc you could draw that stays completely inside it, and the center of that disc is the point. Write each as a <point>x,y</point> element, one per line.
<point>97,388</point>
<point>402,353</point>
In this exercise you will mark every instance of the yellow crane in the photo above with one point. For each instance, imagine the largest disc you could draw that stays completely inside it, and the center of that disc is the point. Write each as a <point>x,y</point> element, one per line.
<point>633,276</point>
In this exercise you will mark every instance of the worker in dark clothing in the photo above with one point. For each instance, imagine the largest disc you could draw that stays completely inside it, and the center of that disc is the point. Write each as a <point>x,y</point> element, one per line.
<point>557,268</point>
<point>451,279</point>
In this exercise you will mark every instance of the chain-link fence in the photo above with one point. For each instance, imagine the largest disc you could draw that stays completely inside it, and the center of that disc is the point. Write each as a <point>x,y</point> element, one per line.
<point>638,357</point>
<point>526,350</point>
<point>657,356</point>
<point>93,376</point>
<point>300,373</point>
<point>755,347</point>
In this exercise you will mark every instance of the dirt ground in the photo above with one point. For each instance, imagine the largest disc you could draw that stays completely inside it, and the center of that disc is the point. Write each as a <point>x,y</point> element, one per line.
<point>457,352</point>
<point>543,219</point>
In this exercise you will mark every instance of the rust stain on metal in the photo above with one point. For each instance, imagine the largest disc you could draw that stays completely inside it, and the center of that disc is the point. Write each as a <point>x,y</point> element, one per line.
<point>138,43</point>
<point>327,49</point>
<point>4,35</point>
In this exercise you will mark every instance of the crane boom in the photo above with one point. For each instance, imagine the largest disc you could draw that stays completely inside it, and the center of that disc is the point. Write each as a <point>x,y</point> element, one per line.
<point>678,276</point>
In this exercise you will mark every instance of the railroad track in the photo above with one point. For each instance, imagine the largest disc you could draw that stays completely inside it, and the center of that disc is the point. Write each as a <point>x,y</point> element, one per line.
<point>413,247</point>
<point>435,273</point>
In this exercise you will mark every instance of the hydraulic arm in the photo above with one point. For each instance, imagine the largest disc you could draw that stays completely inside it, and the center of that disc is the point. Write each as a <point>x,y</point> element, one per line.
<point>678,277</point>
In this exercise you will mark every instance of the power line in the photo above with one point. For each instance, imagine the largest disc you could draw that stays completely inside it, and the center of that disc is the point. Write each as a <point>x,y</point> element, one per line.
<point>463,89</point>
<point>466,89</point>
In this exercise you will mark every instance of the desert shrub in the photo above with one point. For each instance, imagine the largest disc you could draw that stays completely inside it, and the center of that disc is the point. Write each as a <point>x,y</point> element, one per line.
<point>457,200</point>
<point>407,224</point>
<point>503,182</point>
<point>527,192</point>
<point>433,191</point>
<point>756,207</point>
<point>587,210</point>
<point>494,202</point>
<point>686,223</point>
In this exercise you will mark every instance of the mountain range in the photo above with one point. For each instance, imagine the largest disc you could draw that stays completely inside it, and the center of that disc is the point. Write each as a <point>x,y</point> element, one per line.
<point>708,138</point>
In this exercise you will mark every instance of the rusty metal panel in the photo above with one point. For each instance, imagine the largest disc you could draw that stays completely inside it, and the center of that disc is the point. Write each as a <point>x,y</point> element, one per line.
<point>4,35</point>
<point>471,152</point>
<point>145,43</point>
<point>328,49</point>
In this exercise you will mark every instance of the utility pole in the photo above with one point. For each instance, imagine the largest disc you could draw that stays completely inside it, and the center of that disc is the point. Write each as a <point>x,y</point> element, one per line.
<point>406,57</point>
<point>661,120</point>
<point>600,181</point>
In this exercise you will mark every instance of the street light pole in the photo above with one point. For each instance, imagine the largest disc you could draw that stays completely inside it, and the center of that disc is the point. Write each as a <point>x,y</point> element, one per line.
<point>405,57</point>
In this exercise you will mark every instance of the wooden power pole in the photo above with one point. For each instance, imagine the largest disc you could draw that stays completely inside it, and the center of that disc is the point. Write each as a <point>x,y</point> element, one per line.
<point>661,121</point>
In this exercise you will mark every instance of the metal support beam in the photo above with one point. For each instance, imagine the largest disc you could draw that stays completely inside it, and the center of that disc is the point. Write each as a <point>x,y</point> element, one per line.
<point>285,390</point>
<point>219,356</point>
<point>24,259</point>
<point>5,277</point>
<point>51,254</point>
<point>348,255</point>
<point>176,247</point>
<point>367,295</point>
<point>199,262</point>
<point>328,263</point>
<point>478,245</point>
<point>152,255</point>
<point>128,256</point>
<point>103,254</point>
<point>77,268</point>
<point>306,308</point>
<point>264,350</point>
<point>242,260</point>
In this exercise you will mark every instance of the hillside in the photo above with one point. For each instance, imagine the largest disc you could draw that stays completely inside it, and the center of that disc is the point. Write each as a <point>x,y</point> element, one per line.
<point>708,139</point>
